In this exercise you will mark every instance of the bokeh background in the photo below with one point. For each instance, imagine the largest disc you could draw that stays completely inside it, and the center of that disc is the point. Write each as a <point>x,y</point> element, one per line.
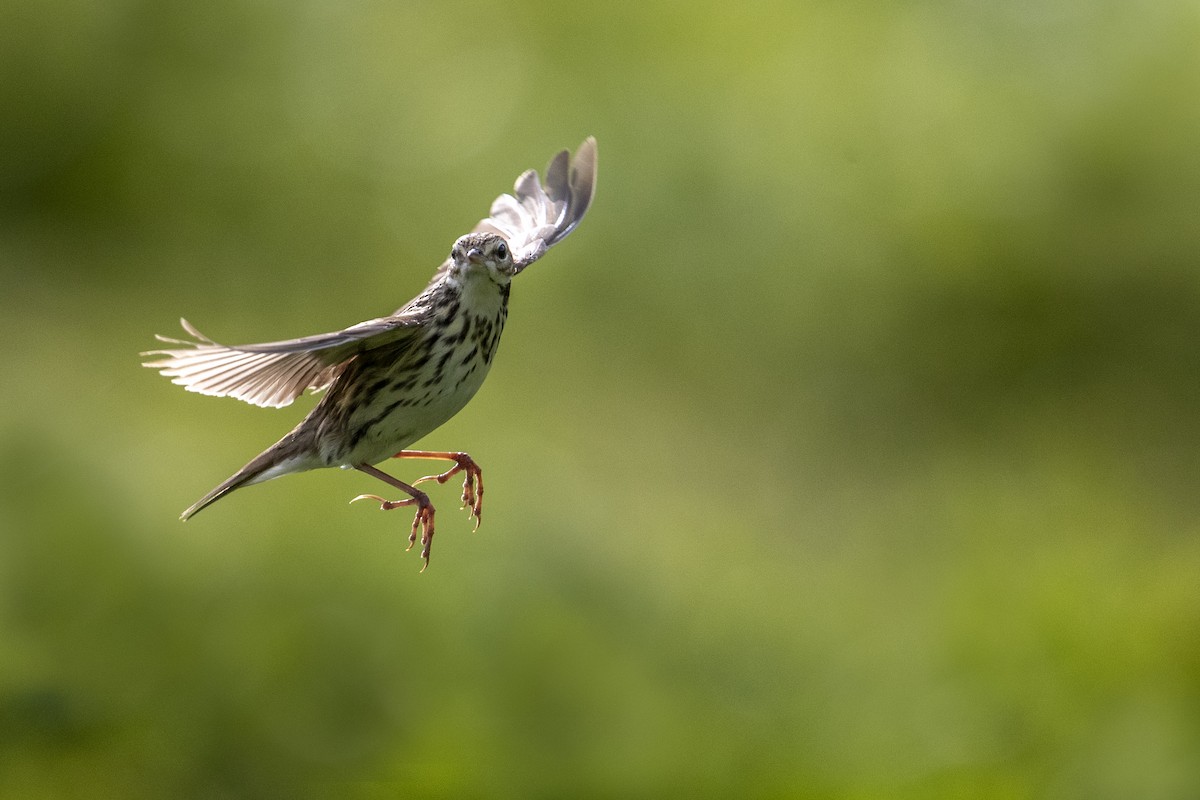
<point>849,448</point>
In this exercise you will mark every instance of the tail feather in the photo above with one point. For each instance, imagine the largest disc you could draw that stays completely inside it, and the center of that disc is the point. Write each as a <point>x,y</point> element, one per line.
<point>278,459</point>
<point>235,481</point>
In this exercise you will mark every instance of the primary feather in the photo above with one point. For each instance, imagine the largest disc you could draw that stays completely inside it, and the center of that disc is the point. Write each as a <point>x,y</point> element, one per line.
<point>274,374</point>
<point>390,381</point>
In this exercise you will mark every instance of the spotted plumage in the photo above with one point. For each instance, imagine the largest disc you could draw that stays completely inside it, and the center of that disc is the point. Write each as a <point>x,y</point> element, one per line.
<point>392,380</point>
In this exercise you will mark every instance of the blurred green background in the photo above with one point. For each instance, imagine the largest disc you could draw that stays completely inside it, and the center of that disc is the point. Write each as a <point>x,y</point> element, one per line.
<point>849,448</point>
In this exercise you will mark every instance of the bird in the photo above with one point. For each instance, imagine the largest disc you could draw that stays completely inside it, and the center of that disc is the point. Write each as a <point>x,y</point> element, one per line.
<point>390,381</point>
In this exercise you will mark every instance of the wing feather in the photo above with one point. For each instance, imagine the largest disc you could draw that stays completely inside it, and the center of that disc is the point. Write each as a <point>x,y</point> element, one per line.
<point>536,216</point>
<point>273,374</point>
<point>532,219</point>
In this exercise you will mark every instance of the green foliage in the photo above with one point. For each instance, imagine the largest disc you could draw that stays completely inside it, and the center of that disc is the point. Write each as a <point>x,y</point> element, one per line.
<point>848,449</point>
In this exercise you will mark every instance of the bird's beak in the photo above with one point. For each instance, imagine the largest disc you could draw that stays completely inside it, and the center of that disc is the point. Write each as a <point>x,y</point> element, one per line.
<point>475,255</point>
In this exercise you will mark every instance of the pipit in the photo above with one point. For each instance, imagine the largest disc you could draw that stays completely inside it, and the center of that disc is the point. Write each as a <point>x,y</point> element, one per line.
<point>390,381</point>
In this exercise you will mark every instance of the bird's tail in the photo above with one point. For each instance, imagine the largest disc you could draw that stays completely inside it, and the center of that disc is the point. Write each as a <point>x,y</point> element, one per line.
<point>281,458</point>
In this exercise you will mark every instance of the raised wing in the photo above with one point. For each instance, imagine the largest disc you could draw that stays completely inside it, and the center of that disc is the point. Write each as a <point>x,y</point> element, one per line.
<point>276,373</point>
<point>531,220</point>
<point>538,216</point>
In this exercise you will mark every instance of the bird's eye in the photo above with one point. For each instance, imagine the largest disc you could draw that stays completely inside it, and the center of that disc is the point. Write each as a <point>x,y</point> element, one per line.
<point>454,253</point>
<point>502,251</point>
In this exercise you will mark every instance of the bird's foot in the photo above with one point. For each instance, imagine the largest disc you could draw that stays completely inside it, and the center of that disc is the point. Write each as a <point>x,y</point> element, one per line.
<point>423,520</point>
<point>472,494</point>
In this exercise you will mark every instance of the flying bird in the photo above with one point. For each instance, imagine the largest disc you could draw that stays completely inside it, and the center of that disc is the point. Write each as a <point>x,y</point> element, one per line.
<point>390,381</point>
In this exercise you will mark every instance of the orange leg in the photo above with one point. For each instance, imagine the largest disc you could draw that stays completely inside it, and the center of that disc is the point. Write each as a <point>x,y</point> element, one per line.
<point>472,495</point>
<point>423,518</point>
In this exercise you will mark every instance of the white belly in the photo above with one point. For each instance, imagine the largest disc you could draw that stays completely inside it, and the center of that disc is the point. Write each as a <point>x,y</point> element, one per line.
<point>431,407</point>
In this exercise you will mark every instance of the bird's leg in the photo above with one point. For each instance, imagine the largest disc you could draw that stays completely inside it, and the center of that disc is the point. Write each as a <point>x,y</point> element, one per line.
<point>472,496</point>
<point>423,518</point>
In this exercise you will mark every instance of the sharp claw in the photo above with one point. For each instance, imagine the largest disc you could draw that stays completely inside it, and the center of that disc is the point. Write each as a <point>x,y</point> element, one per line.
<point>425,554</point>
<point>472,496</point>
<point>385,505</point>
<point>422,520</point>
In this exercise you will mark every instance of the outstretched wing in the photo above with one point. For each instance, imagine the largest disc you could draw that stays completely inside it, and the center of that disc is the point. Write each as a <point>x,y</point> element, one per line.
<point>538,216</point>
<point>276,373</point>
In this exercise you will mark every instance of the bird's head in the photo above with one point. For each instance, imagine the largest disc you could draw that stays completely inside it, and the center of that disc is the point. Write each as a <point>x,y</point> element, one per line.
<point>483,254</point>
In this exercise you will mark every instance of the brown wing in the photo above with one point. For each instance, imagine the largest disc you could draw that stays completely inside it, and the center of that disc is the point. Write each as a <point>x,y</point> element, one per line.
<point>276,373</point>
